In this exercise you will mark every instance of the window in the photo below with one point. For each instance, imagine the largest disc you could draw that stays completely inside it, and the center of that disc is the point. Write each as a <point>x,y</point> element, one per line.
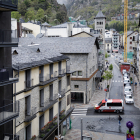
<point>93,56</point>
<point>51,114</point>
<point>51,91</point>
<point>28,78</point>
<point>114,104</point>
<point>28,132</point>
<point>107,44</point>
<point>59,67</point>
<point>74,74</point>
<point>131,47</point>
<point>41,121</point>
<point>79,73</point>
<point>130,37</point>
<point>51,70</point>
<point>42,97</point>
<point>76,86</point>
<point>130,42</point>
<point>68,80</point>
<point>41,72</point>
<point>59,86</point>
<point>27,106</point>
<point>68,99</point>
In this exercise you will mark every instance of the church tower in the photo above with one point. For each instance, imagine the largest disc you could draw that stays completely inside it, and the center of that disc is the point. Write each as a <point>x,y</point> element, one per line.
<point>100,21</point>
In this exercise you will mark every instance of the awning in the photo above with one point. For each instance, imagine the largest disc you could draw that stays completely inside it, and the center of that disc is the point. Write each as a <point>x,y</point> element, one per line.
<point>98,74</point>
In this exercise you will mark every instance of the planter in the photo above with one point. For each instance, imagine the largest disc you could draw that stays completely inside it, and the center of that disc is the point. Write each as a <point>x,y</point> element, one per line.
<point>33,137</point>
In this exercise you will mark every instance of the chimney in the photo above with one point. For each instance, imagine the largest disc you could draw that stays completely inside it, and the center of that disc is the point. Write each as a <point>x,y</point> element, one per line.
<point>69,28</point>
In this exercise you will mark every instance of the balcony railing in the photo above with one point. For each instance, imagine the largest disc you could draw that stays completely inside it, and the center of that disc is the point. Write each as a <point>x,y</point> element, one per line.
<point>8,110</point>
<point>61,72</point>
<point>62,93</point>
<point>9,37</point>
<point>28,84</point>
<point>48,103</point>
<point>11,136</point>
<point>47,79</point>
<point>30,115</point>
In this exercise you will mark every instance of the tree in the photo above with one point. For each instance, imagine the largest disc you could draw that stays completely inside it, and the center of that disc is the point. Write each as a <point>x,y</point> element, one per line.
<point>111,67</point>
<point>30,15</point>
<point>22,8</point>
<point>40,14</point>
<point>16,15</point>
<point>61,16</point>
<point>106,55</point>
<point>107,75</point>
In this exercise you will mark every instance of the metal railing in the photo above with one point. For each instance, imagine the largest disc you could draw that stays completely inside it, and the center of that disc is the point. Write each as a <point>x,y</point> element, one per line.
<point>61,71</point>
<point>8,109</point>
<point>48,77</point>
<point>12,137</point>
<point>62,92</point>
<point>28,83</point>
<point>32,112</point>
<point>10,36</point>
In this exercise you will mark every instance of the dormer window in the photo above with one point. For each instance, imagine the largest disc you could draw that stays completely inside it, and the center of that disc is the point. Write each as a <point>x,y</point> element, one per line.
<point>15,52</point>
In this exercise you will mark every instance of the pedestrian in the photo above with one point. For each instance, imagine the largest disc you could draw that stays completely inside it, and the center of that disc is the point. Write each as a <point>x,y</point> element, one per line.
<point>101,87</point>
<point>119,118</point>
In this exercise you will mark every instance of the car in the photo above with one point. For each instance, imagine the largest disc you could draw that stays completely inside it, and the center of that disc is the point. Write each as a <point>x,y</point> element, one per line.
<point>110,105</point>
<point>127,85</point>
<point>127,89</point>
<point>124,71</point>
<point>126,81</point>
<point>129,99</point>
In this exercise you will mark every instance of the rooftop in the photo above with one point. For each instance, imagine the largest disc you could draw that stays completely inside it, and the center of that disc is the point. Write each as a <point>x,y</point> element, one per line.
<point>100,15</point>
<point>36,51</point>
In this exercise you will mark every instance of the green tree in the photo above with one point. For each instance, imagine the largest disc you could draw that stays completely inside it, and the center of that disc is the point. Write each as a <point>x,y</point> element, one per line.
<point>30,15</point>
<point>106,55</point>
<point>107,75</point>
<point>61,16</point>
<point>22,8</point>
<point>111,67</point>
<point>40,14</point>
<point>16,15</point>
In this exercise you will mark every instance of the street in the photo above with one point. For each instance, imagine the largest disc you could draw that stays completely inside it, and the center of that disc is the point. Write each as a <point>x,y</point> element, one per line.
<point>108,122</point>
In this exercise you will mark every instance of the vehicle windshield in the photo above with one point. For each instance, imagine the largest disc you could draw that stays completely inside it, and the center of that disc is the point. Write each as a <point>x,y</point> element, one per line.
<point>100,103</point>
<point>129,97</point>
<point>126,81</point>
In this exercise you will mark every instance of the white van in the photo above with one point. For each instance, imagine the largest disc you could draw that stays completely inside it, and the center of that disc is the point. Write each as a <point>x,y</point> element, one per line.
<point>110,105</point>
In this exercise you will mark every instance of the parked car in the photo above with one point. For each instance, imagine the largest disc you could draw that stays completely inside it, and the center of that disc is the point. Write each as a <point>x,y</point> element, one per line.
<point>126,81</point>
<point>124,71</point>
<point>128,89</point>
<point>127,85</point>
<point>129,99</point>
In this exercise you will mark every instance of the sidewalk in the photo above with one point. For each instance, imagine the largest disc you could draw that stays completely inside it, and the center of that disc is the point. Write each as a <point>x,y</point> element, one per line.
<point>136,94</point>
<point>75,134</point>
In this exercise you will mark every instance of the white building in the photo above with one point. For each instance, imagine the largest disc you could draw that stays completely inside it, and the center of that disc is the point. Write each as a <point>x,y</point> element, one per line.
<point>66,29</point>
<point>115,42</point>
<point>108,34</point>
<point>108,45</point>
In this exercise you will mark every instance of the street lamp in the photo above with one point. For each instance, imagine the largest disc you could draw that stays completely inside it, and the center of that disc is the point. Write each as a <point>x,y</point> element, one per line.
<point>59,96</point>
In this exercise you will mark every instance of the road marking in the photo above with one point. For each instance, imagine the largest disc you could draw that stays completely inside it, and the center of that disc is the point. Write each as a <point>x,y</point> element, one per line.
<point>79,112</point>
<point>116,81</point>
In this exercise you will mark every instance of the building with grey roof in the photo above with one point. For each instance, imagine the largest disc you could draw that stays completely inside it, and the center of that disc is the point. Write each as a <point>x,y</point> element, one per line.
<point>108,44</point>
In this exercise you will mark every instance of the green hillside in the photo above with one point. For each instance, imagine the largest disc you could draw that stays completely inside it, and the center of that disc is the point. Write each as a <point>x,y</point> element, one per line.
<point>41,10</point>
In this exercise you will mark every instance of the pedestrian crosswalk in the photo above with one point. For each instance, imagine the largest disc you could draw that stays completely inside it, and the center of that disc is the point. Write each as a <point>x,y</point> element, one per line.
<point>79,112</point>
<point>117,81</point>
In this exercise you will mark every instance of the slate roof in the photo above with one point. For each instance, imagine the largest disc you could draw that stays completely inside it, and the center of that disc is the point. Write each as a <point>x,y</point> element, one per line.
<point>46,24</point>
<point>100,15</point>
<point>50,50</point>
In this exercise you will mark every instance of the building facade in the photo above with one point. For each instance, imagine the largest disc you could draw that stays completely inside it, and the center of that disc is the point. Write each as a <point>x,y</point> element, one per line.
<point>108,44</point>
<point>115,42</point>
<point>43,91</point>
<point>9,108</point>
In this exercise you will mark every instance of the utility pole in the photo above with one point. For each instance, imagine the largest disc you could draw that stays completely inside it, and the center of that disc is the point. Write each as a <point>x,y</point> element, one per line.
<point>81,128</point>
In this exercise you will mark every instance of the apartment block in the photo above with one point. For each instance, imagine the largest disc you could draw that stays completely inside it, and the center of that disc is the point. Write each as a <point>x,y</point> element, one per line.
<point>9,108</point>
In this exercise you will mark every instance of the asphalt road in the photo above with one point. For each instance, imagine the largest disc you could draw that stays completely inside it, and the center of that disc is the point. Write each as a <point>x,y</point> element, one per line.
<point>116,92</point>
<point>108,122</point>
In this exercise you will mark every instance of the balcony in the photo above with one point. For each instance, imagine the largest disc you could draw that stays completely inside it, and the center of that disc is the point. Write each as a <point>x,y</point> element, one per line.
<point>47,79</point>
<point>28,85</point>
<point>62,93</point>
<point>9,38</point>
<point>48,103</point>
<point>31,115</point>
<point>61,73</point>
<point>8,5</point>
<point>11,136</point>
<point>5,79</point>
<point>51,128</point>
<point>9,110</point>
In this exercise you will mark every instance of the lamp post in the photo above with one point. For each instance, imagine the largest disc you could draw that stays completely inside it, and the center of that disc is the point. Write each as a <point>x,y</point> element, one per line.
<point>59,96</point>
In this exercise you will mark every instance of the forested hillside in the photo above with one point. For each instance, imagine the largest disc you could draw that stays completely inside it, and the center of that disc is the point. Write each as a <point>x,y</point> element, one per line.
<point>41,10</point>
